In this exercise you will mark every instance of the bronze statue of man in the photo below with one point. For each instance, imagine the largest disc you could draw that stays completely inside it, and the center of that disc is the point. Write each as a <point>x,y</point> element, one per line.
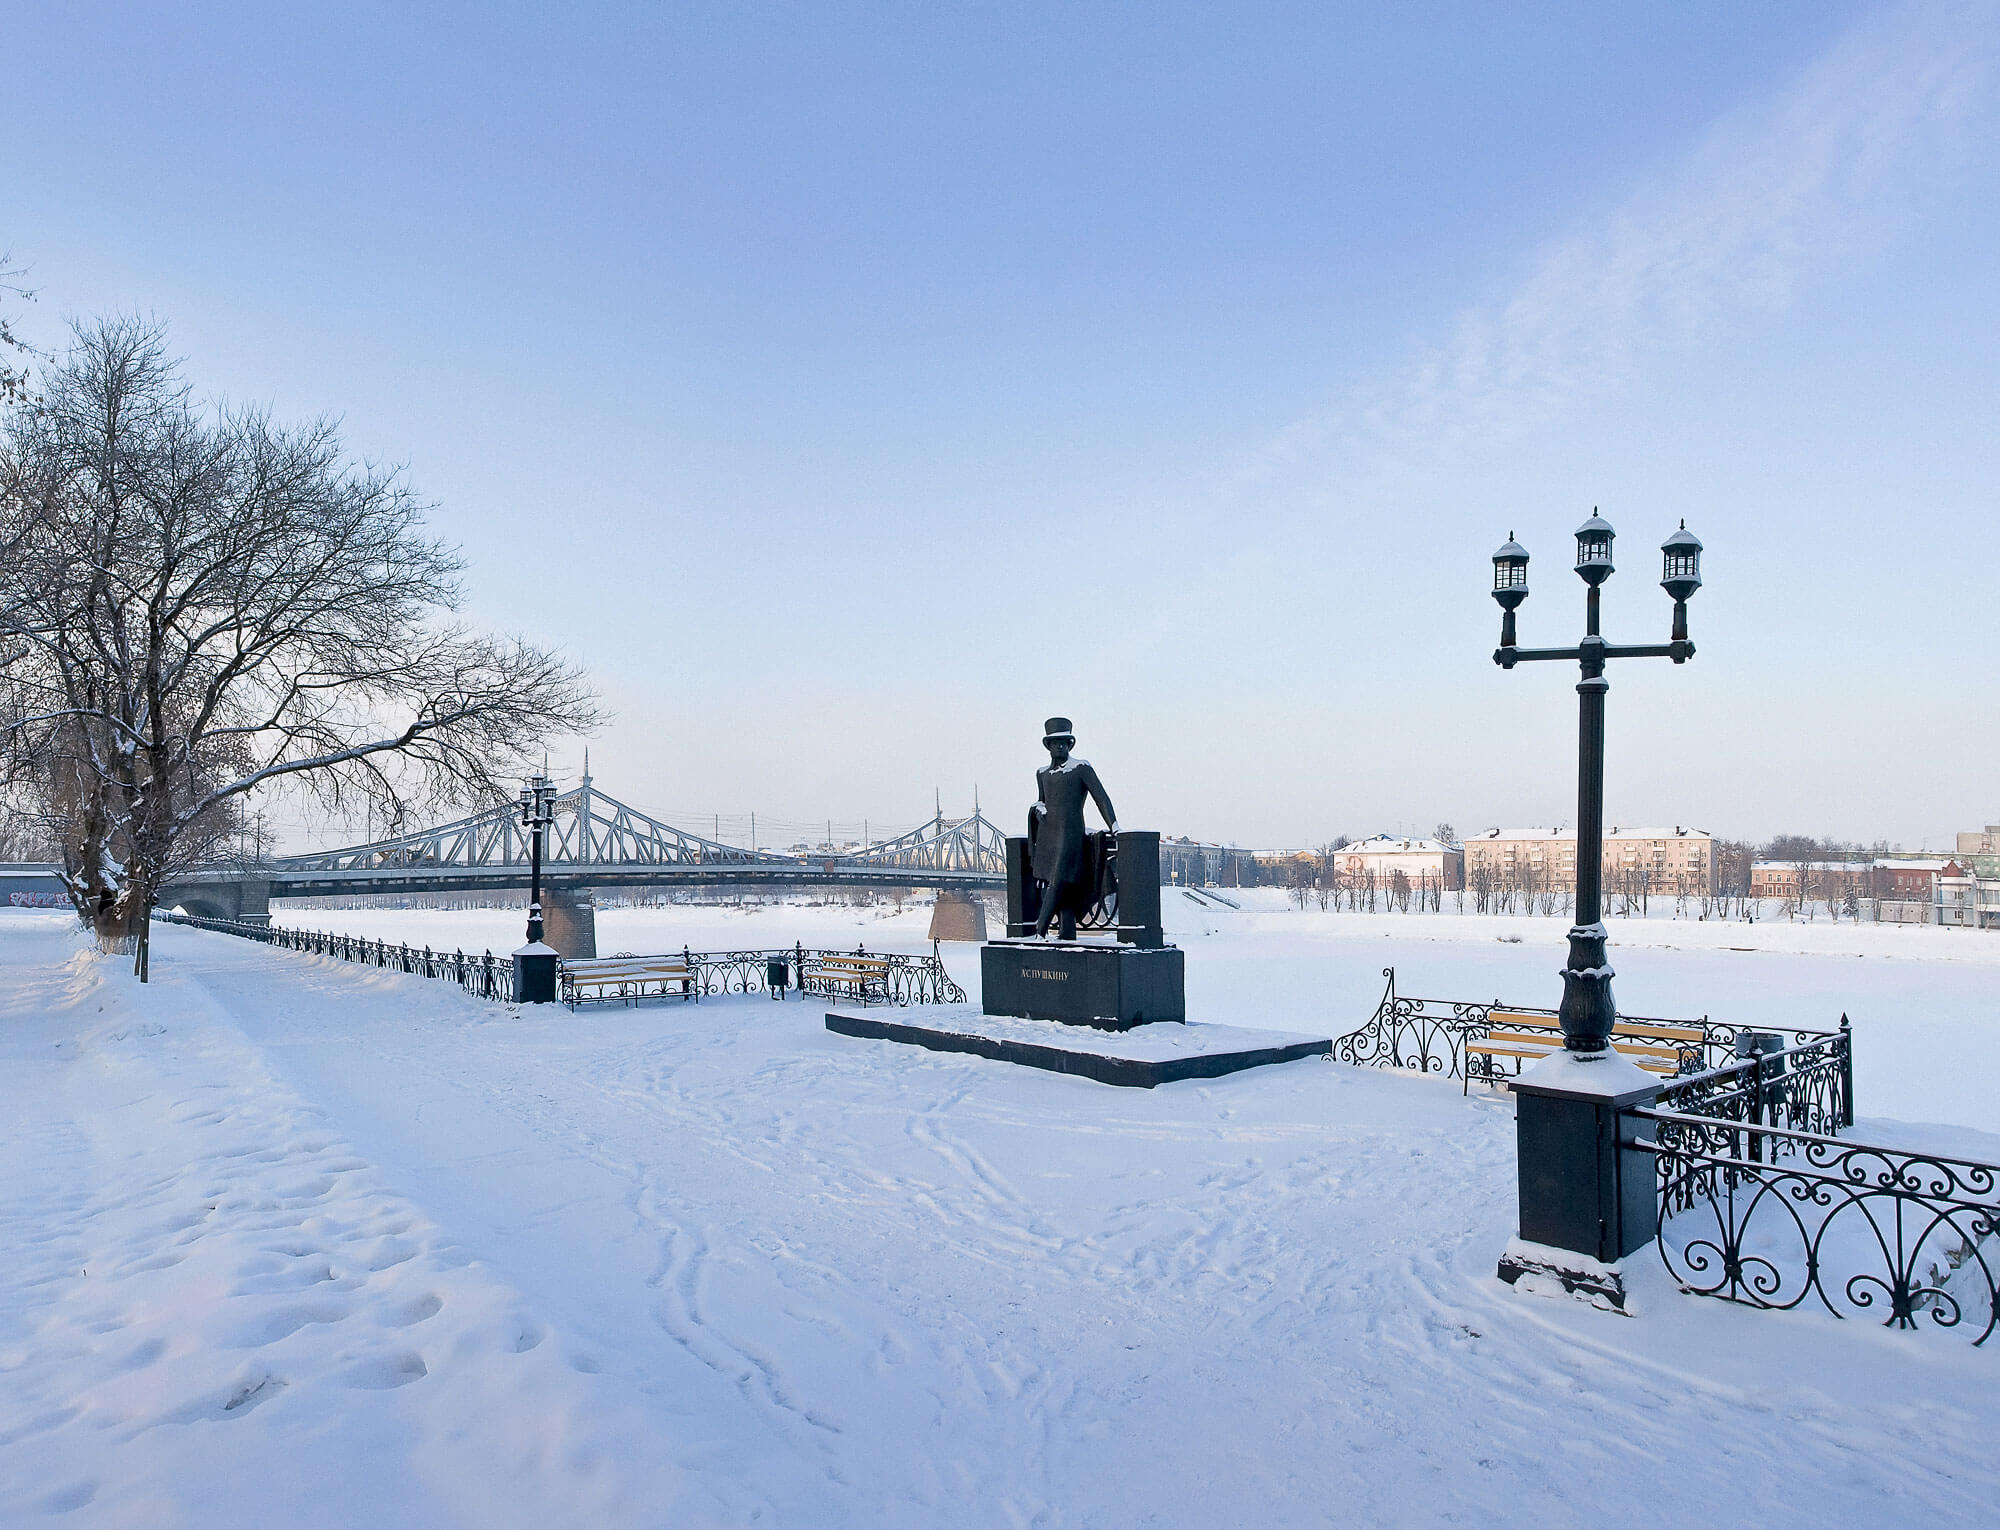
<point>1057,845</point>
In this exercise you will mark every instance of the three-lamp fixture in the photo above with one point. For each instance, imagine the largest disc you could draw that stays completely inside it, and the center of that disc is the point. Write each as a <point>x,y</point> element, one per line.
<point>1680,577</point>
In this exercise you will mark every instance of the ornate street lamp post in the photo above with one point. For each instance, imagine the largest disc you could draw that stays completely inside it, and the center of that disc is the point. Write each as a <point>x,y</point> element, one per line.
<point>535,963</point>
<point>1588,1013</point>
<point>1584,1189</point>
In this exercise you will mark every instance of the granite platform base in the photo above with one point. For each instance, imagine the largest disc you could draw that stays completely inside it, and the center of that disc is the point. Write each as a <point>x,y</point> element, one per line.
<point>1102,984</point>
<point>1140,1058</point>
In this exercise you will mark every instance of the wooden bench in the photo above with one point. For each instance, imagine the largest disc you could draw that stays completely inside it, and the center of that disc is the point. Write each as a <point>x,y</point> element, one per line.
<point>1668,1050</point>
<point>626,978</point>
<point>865,977</point>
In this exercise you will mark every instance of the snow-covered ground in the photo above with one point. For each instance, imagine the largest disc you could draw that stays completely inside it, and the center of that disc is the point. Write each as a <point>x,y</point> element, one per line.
<point>1925,1002</point>
<point>285,1241</point>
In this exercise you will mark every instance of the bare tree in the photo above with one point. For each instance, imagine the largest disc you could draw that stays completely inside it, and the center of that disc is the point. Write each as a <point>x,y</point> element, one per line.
<point>1480,880</point>
<point>13,375</point>
<point>209,603</point>
<point>1300,876</point>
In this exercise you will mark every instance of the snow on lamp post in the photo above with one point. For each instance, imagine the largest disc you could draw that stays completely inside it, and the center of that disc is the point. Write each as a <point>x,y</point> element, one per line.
<point>1582,1192</point>
<point>535,963</point>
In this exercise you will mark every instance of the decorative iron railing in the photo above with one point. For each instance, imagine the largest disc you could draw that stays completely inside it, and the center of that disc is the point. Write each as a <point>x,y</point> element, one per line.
<point>907,979</point>
<point>1807,1087</point>
<point>485,976</point>
<point>1427,1035</point>
<point>1430,1035</point>
<point>1769,1216</point>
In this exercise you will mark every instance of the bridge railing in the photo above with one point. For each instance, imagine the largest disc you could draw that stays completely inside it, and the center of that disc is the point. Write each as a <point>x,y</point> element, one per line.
<point>909,979</point>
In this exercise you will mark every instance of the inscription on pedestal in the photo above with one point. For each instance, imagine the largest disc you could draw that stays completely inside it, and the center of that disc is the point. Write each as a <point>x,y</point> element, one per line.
<point>1113,987</point>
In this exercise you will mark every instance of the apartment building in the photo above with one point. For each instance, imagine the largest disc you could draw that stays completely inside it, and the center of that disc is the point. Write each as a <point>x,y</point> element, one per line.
<point>1665,861</point>
<point>1425,862</point>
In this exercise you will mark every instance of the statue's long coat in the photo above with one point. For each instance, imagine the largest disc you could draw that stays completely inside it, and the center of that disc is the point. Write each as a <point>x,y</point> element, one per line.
<point>1057,829</point>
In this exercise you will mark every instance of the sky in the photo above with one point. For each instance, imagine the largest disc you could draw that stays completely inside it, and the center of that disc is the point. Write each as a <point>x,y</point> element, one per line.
<point>849,388</point>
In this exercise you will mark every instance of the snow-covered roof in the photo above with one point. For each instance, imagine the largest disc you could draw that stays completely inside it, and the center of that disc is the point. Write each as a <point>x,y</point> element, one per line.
<point>1395,844</point>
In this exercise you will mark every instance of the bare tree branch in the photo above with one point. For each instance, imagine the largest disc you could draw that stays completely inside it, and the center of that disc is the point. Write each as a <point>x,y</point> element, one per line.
<point>201,603</point>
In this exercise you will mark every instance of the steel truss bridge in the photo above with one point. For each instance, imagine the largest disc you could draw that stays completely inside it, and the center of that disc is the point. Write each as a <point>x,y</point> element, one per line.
<point>595,842</point>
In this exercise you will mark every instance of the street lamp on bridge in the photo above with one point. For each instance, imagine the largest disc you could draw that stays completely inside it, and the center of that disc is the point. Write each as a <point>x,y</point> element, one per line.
<point>535,963</point>
<point>1584,1188</point>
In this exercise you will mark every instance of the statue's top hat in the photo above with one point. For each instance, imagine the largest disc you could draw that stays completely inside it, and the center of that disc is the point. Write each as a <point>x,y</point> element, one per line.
<point>1055,728</point>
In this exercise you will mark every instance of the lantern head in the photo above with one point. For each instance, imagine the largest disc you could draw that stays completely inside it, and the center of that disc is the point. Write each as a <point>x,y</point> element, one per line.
<point>1593,550</point>
<point>1510,574</point>
<point>1680,564</point>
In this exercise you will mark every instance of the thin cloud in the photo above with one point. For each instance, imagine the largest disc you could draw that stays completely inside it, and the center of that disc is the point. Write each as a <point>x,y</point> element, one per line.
<point>1805,182</point>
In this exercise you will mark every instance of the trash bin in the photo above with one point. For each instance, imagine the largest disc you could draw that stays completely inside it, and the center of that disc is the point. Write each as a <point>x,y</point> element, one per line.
<point>1751,1044</point>
<point>1757,1045</point>
<point>777,975</point>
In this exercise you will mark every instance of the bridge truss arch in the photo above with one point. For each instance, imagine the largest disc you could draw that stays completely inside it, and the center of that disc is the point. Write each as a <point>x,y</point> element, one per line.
<point>597,840</point>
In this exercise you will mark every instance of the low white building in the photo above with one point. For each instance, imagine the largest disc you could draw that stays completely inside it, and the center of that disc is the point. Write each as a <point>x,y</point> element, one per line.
<point>1426,862</point>
<point>1966,900</point>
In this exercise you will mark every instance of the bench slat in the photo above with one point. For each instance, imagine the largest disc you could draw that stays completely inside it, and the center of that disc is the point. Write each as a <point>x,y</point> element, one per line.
<point>1645,1057</point>
<point>1554,1041</point>
<point>1501,1019</point>
<point>1691,1033</point>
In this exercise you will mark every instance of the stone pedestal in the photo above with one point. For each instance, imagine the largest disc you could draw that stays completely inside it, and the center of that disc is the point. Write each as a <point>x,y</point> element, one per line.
<point>1587,1194</point>
<point>1141,1058</point>
<point>958,916</point>
<point>570,923</point>
<point>535,974</point>
<point>1111,987</point>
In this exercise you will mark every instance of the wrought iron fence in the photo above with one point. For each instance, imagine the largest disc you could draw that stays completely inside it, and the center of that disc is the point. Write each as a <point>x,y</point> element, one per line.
<point>1770,1216</point>
<point>485,976</point>
<point>1807,1087</point>
<point>907,979</point>
<point>1427,1035</point>
<point>1430,1035</point>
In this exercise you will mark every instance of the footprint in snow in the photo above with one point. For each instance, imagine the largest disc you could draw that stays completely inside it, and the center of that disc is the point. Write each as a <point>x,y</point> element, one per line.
<point>424,1308</point>
<point>66,1500</point>
<point>387,1372</point>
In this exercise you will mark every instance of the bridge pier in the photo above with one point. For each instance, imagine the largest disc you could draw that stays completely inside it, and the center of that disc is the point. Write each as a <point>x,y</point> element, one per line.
<point>569,922</point>
<point>958,915</point>
<point>247,899</point>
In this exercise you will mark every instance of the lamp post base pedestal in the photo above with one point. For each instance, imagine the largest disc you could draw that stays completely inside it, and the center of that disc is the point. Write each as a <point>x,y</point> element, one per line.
<point>535,974</point>
<point>1538,1270</point>
<point>1587,1192</point>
